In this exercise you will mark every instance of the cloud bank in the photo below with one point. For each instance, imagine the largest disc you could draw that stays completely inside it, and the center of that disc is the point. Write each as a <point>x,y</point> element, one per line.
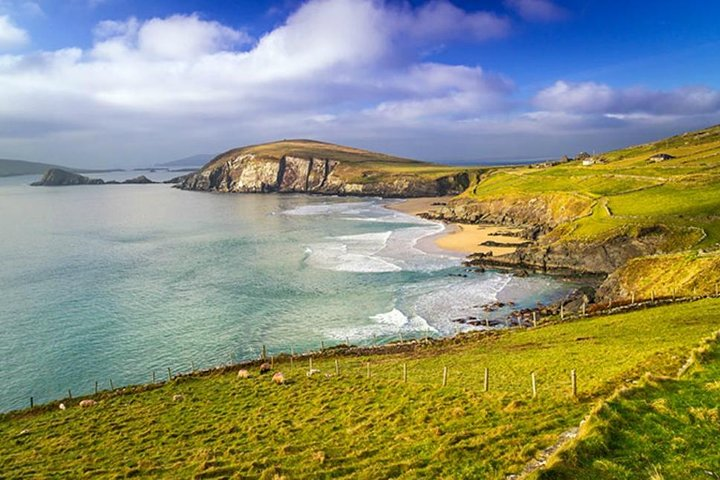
<point>352,71</point>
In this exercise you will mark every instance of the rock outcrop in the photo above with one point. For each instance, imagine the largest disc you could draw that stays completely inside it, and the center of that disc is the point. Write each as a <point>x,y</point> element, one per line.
<point>330,170</point>
<point>56,177</point>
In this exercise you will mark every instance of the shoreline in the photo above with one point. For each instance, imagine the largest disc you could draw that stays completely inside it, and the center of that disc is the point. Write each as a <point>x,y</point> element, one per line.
<point>461,238</point>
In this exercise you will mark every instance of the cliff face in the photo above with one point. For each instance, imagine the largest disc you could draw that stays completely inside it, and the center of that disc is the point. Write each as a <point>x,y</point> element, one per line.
<point>252,173</point>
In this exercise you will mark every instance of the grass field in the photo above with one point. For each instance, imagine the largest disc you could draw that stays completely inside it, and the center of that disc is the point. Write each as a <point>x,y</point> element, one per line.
<point>665,429</point>
<point>351,426</point>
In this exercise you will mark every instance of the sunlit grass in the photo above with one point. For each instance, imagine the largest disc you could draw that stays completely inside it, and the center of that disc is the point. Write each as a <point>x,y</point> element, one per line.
<point>351,426</point>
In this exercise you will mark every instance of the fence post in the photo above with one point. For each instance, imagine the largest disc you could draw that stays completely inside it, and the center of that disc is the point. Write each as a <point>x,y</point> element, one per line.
<point>169,375</point>
<point>404,373</point>
<point>534,319</point>
<point>573,383</point>
<point>632,298</point>
<point>368,369</point>
<point>96,387</point>
<point>562,312</point>
<point>337,367</point>
<point>69,394</point>
<point>534,384</point>
<point>583,309</point>
<point>192,366</point>
<point>445,376</point>
<point>264,353</point>
<point>401,337</point>
<point>310,361</point>
<point>153,376</point>
<point>486,383</point>
<point>272,361</point>
<point>111,385</point>
<point>322,344</point>
<point>32,402</point>
<point>652,296</point>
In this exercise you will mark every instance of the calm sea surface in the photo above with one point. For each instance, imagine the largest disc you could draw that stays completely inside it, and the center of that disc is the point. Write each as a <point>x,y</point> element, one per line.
<point>113,282</point>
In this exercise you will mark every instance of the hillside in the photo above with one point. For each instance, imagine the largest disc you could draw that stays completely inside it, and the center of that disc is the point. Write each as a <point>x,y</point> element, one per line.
<point>10,168</point>
<point>342,424</point>
<point>596,214</point>
<point>317,167</point>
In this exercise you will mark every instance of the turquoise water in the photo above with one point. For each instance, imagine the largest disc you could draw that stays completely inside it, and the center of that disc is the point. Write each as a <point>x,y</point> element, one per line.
<point>113,282</point>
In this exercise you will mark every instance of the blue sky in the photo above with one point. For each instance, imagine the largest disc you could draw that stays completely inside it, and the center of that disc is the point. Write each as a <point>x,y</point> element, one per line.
<point>124,82</point>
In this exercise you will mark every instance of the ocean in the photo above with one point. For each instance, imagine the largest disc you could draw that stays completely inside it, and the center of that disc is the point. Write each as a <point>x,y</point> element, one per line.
<point>101,283</point>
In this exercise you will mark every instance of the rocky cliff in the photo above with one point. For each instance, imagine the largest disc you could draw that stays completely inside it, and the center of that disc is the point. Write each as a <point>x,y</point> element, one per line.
<point>314,167</point>
<point>56,177</point>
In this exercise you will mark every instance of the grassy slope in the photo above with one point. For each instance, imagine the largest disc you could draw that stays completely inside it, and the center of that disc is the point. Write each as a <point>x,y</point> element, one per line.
<point>352,427</point>
<point>666,429</point>
<point>361,165</point>
<point>19,167</point>
<point>628,193</point>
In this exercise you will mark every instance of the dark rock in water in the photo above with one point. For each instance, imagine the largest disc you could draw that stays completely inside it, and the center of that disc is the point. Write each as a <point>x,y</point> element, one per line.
<point>142,179</point>
<point>56,177</point>
<point>179,179</point>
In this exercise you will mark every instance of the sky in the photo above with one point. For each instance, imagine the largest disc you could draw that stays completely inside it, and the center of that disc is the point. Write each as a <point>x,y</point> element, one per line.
<point>127,83</point>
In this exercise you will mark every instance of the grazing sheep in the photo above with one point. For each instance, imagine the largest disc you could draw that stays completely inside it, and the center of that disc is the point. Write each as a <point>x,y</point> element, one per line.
<point>312,371</point>
<point>178,398</point>
<point>87,403</point>
<point>243,374</point>
<point>278,378</point>
<point>265,367</point>
<point>61,406</point>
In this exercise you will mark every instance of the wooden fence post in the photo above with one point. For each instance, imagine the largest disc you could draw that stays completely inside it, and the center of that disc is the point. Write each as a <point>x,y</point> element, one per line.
<point>401,337</point>
<point>573,383</point>
<point>534,319</point>
<point>272,361</point>
<point>562,312</point>
<point>169,375</point>
<point>368,369</point>
<point>486,383</point>
<point>322,344</point>
<point>32,402</point>
<point>264,353</point>
<point>534,384</point>
<point>337,367</point>
<point>632,298</point>
<point>153,376</point>
<point>69,394</point>
<point>652,296</point>
<point>310,361</point>
<point>404,376</point>
<point>192,366</point>
<point>96,387</point>
<point>445,376</point>
<point>111,385</point>
<point>583,309</point>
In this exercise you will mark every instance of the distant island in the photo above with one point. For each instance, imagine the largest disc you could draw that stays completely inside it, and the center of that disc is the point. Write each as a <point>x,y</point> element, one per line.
<point>57,177</point>
<point>10,168</point>
<point>192,161</point>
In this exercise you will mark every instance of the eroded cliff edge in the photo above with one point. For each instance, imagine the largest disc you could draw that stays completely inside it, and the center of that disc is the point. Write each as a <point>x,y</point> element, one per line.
<point>315,167</point>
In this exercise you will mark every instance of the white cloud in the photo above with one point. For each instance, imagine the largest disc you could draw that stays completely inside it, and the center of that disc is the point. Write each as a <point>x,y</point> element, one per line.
<point>537,10</point>
<point>595,98</point>
<point>10,35</point>
<point>351,71</point>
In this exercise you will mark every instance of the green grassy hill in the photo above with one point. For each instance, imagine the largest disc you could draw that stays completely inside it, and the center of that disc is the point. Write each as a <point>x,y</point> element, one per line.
<point>347,425</point>
<point>10,168</point>
<point>631,202</point>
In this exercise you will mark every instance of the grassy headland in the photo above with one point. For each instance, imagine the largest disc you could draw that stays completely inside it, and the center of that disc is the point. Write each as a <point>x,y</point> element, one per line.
<point>649,202</point>
<point>349,426</point>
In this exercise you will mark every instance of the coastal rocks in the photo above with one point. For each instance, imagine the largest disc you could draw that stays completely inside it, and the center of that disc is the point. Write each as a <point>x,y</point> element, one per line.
<point>537,214</point>
<point>141,180</point>
<point>56,177</point>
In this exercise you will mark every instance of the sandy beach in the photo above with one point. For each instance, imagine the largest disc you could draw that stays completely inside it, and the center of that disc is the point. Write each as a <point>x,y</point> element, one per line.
<point>462,238</point>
